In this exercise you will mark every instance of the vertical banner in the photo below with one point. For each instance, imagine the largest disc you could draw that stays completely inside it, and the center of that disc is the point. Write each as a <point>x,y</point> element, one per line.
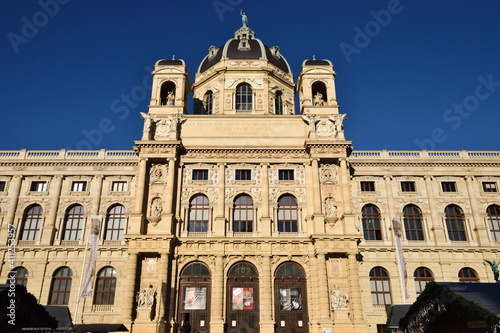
<point>88,283</point>
<point>398,233</point>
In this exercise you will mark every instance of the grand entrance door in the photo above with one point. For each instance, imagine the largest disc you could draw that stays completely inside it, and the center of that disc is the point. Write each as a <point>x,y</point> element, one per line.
<point>194,297</point>
<point>242,299</point>
<point>290,299</point>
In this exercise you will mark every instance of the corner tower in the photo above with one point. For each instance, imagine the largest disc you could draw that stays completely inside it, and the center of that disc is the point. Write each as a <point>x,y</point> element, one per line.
<point>244,76</point>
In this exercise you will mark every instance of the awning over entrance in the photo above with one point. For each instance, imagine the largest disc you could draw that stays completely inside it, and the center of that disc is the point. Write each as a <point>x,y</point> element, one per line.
<point>99,328</point>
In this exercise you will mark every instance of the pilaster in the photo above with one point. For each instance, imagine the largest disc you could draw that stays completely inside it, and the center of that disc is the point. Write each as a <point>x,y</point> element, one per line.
<point>219,224</point>
<point>437,227</point>
<point>49,230</point>
<point>265,219</point>
<point>14,190</point>
<point>217,320</point>
<point>265,282</point>
<point>137,217</point>
<point>479,227</point>
<point>129,290</point>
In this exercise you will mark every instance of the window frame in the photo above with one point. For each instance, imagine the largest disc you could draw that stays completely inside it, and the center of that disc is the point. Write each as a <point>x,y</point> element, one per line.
<point>244,224</point>
<point>449,186</point>
<point>286,175</point>
<point>413,223</point>
<point>493,221</point>
<point>244,97</point>
<point>103,289</point>
<point>73,217</point>
<point>21,279</point>
<point>38,186</point>
<point>278,103</point>
<point>196,173</point>
<point>79,186</point>
<point>367,186</point>
<point>119,186</point>
<point>286,211</point>
<point>199,208</point>
<point>422,276</point>
<point>380,274</point>
<point>63,281</point>
<point>3,185</point>
<point>408,186</point>
<point>246,173</point>
<point>467,278</point>
<point>35,220</point>
<point>453,219</point>
<point>375,233</point>
<point>489,187</point>
<point>115,223</point>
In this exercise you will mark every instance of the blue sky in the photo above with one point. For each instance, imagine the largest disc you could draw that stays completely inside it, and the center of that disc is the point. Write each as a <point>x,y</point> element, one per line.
<point>410,74</point>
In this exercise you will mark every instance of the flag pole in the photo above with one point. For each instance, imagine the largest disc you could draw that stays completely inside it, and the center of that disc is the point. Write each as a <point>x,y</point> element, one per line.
<point>83,267</point>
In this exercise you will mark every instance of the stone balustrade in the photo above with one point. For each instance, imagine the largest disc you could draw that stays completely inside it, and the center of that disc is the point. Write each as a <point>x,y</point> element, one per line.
<point>423,154</point>
<point>64,154</point>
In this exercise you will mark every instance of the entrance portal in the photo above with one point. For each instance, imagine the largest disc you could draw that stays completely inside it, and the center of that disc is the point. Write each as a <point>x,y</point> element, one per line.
<point>243,299</point>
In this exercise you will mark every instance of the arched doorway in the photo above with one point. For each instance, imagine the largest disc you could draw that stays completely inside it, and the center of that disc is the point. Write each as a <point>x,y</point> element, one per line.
<point>194,299</point>
<point>290,299</point>
<point>242,299</point>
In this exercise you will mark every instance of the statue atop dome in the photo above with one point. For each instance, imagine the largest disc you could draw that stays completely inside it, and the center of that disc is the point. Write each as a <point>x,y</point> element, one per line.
<point>244,18</point>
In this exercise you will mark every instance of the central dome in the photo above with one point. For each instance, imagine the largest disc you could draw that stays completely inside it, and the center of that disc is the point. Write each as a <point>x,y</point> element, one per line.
<point>244,47</point>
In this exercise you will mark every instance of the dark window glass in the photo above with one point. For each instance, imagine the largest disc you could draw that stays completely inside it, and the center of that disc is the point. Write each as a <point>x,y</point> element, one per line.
<point>38,186</point>
<point>287,214</point>
<point>422,276</point>
<point>119,186</point>
<point>78,186</point>
<point>2,186</point>
<point>105,286</point>
<point>367,186</point>
<point>493,213</point>
<point>61,287</point>
<point>198,214</point>
<point>243,174</point>
<point>408,186</point>
<point>32,222</point>
<point>73,223</point>
<point>200,174</point>
<point>244,97</point>
<point>371,223</point>
<point>455,223</point>
<point>490,187</point>
<point>449,186</point>
<point>21,276</point>
<point>115,223</point>
<point>243,214</point>
<point>208,103</point>
<point>468,275</point>
<point>285,174</point>
<point>278,103</point>
<point>413,223</point>
<point>380,286</point>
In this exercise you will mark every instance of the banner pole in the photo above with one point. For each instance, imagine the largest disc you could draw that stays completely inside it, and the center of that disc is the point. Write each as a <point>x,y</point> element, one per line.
<point>83,267</point>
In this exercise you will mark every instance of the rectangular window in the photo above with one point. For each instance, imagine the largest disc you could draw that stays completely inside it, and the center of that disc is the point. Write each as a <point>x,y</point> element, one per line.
<point>200,174</point>
<point>38,186</point>
<point>449,186</point>
<point>285,174</point>
<point>119,186</point>
<point>2,186</point>
<point>408,186</point>
<point>78,186</point>
<point>368,186</point>
<point>490,187</point>
<point>243,175</point>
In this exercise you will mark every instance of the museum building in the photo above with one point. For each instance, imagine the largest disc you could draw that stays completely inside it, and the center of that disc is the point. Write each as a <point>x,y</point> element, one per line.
<point>246,216</point>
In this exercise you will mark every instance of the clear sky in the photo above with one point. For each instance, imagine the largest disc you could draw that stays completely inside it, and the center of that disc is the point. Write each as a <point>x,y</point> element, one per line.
<point>410,74</point>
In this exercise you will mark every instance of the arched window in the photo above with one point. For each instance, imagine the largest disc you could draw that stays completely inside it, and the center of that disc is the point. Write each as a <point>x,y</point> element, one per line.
<point>61,286</point>
<point>278,103</point>
<point>380,286</point>
<point>105,286</point>
<point>371,223</point>
<point>32,223</point>
<point>287,214</point>
<point>413,223</point>
<point>21,276</point>
<point>493,213</point>
<point>167,93</point>
<point>422,276</point>
<point>468,275</point>
<point>455,223</point>
<point>319,93</point>
<point>115,223</point>
<point>73,223</point>
<point>244,97</point>
<point>208,103</point>
<point>198,214</point>
<point>243,214</point>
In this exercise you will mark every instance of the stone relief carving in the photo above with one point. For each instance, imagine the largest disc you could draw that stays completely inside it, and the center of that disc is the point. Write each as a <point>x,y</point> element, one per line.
<point>330,211</point>
<point>257,194</point>
<point>158,172</point>
<point>273,193</point>
<point>229,194</point>
<point>325,128</point>
<point>300,174</point>
<point>301,194</point>
<point>338,298</point>
<point>186,192</point>
<point>328,174</point>
<point>214,174</point>
<point>156,207</point>
<point>257,174</point>
<point>213,194</point>
<point>311,120</point>
<point>168,127</point>
<point>146,297</point>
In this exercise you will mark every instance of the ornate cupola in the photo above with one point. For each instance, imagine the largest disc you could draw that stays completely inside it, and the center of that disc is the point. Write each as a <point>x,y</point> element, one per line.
<point>244,76</point>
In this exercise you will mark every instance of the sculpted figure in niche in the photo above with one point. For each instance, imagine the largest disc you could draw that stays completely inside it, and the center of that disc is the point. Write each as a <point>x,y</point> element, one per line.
<point>156,208</point>
<point>338,120</point>
<point>170,98</point>
<point>330,207</point>
<point>338,298</point>
<point>311,119</point>
<point>318,99</point>
<point>145,298</point>
<point>148,118</point>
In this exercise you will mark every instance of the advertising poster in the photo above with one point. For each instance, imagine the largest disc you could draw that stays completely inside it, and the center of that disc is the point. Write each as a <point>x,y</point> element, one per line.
<point>290,299</point>
<point>195,298</point>
<point>242,299</point>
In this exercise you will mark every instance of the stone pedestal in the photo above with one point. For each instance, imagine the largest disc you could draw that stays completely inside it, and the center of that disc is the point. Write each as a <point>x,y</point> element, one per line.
<point>143,322</point>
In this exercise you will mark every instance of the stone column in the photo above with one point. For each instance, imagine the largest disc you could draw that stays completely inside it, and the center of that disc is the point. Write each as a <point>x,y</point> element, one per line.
<point>265,219</point>
<point>128,298</point>
<point>49,229</point>
<point>162,289</point>
<point>322,281</point>
<point>169,191</point>
<point>137,217</point>
<point>345,184</point>
<point>266,294</point>
<point>10,213</point>
<point>437,226</point>
<point>219,221</point>
<point>355,299</point>
<point>319,218</point>
<point>217,302</point>
<point>478,224</point>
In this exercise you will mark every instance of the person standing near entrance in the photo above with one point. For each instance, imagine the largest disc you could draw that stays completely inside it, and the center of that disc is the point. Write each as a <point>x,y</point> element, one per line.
<point>187,327</point>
